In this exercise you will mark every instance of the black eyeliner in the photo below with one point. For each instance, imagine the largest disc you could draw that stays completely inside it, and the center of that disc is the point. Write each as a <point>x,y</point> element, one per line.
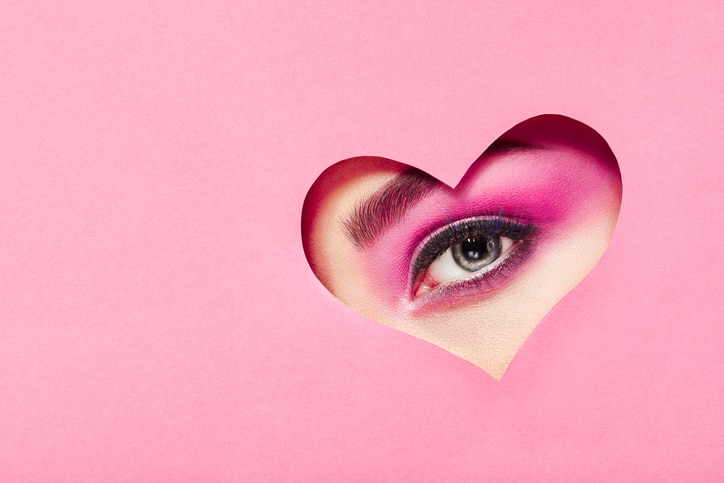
<point>435,244</point>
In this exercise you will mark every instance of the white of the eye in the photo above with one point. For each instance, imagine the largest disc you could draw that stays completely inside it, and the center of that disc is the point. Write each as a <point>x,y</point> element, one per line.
<point>445,268</point>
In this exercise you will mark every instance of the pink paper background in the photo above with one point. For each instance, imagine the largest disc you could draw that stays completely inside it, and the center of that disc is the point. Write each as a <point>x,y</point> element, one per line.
<point>160,322</point>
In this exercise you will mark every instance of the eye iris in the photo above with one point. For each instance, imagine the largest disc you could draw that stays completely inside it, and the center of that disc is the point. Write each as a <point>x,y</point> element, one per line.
<point>476,252</point>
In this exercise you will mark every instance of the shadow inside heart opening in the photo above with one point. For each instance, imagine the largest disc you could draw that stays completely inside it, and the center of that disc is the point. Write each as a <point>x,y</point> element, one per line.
<point>474,268</point>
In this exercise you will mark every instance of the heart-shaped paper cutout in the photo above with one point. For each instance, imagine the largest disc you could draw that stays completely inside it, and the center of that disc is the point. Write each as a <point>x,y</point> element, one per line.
<point>472,269</point>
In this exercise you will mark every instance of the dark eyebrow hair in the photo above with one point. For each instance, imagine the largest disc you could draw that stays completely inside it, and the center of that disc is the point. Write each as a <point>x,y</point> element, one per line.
<point>375,215</point>
<point>387,206</point>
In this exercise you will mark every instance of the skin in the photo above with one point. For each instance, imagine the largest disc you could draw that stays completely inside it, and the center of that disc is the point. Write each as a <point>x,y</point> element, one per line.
<point>568,185</point>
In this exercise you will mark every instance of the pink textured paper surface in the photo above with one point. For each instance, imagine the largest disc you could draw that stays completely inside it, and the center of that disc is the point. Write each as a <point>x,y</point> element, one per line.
<point>159,319</point>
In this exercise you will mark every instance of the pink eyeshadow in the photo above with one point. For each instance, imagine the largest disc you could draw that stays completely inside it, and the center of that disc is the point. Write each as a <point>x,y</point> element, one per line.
<point>546,192</point>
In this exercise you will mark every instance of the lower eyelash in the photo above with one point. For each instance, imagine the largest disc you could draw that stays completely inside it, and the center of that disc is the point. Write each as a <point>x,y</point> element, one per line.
<point>486,280</point>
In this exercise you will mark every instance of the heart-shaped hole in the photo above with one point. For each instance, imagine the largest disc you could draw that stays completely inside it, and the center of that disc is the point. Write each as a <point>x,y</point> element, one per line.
<point>472,269</point>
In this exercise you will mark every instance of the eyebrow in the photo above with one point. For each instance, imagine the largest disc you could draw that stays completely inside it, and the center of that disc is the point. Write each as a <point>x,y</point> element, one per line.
<point>387,206</point>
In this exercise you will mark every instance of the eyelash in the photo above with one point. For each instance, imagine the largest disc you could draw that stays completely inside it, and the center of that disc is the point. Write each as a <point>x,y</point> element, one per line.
<point>439,241</point>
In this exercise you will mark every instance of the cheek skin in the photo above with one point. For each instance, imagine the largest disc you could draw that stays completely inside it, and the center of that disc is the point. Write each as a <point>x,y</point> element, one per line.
<point>491,332</point>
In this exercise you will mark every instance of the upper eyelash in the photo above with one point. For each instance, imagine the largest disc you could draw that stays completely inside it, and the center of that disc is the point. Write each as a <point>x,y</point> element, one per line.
<point>443,238</point>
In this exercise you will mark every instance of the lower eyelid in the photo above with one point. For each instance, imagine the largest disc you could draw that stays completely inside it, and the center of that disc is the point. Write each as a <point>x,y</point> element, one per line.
<point>460,291</point>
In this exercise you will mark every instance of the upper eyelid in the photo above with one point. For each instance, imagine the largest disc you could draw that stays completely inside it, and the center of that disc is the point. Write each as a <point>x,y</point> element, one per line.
<point>492,224</point>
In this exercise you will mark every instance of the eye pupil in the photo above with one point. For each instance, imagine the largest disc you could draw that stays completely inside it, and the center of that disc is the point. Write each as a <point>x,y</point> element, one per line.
<point>476,252</point>
<point>475,248</point>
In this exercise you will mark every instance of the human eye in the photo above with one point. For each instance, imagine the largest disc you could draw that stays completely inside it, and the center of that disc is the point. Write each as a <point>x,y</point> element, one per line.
<point>468,257</point>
